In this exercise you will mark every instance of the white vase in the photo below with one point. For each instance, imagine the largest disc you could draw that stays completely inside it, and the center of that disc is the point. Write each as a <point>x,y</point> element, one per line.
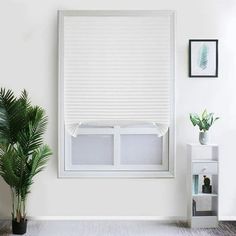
<point>203,138</point>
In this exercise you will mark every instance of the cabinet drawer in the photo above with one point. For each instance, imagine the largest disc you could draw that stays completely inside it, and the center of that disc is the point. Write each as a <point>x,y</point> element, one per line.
<point>205,168</point>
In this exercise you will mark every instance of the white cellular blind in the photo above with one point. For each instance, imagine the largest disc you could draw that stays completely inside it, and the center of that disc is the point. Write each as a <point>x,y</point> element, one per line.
<point>117,69</point>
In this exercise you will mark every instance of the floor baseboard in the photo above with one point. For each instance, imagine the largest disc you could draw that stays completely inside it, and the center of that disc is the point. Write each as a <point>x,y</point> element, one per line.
<point>227,218</point>
<point>120,218</point>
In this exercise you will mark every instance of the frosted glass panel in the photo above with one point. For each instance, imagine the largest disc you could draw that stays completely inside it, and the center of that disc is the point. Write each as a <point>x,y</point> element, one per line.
<point>92,150</point>
<point>141,149</point>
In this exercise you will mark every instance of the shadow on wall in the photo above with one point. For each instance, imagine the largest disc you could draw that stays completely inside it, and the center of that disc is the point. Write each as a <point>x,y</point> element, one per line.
<point>5,200</point>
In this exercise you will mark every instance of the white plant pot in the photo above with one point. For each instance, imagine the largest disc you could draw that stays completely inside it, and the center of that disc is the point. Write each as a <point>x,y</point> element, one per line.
<point>203,138</point>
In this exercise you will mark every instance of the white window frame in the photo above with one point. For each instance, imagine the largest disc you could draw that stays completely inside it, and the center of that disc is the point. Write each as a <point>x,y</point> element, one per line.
<point>65,169</point>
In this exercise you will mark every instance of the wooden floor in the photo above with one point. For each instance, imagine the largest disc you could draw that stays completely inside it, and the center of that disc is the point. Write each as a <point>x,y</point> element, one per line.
<point>116,228</point>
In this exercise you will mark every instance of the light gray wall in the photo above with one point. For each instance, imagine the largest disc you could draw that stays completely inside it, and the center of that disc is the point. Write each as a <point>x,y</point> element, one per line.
<point>28,59</point>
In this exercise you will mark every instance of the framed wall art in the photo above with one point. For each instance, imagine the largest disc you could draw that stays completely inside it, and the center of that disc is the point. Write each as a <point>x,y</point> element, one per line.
<point>203,58</point>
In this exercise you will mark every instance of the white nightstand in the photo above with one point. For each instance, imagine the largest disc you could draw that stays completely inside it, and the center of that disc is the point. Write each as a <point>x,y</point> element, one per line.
<point>202,207</point>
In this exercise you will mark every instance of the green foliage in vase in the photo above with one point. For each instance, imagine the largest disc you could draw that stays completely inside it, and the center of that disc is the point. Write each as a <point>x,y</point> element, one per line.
<point>204,121</point>
<point>22,151</point>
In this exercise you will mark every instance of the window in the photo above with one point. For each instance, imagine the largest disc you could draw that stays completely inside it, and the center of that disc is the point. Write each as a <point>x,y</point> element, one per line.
<point>116,94</point>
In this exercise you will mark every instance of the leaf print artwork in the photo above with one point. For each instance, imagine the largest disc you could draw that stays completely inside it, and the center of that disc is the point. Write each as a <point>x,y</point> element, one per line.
<point>203,57</point>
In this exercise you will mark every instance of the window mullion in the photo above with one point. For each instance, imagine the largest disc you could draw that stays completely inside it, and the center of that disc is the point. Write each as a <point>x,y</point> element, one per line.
<point>117,146</point>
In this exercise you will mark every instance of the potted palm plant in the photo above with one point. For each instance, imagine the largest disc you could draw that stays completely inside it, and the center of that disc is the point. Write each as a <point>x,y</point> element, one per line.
<point>204,122</point>
<point>22,152</point>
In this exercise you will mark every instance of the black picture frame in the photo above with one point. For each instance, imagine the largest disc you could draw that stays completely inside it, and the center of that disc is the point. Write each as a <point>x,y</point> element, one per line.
<point>194,45</point>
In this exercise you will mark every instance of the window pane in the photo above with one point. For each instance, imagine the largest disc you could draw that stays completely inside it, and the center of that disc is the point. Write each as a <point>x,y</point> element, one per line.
<point>92,150</point>
<point>142,149</point>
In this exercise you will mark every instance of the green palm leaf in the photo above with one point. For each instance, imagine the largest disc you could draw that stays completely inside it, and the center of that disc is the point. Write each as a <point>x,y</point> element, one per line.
<point>9,161</point>
<point>12,117</point>
<point>30,137</point>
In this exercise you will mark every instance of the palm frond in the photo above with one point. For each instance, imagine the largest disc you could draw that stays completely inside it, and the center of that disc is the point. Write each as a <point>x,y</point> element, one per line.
<point>40,158</point>
<point>8,167</point>
<point>31,137</point>
<point>24,99</point>
<point>35,165</point>
<point>12,117</point>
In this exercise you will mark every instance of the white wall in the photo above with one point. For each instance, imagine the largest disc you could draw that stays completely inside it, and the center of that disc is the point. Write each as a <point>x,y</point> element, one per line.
<point>28,59</point>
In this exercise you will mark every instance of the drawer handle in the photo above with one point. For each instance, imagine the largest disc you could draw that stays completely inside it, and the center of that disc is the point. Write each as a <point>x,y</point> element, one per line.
<point>204,169</point>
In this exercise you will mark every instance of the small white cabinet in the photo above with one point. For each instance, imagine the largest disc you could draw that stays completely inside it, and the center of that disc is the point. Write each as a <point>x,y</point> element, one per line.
<point>202,207</point>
